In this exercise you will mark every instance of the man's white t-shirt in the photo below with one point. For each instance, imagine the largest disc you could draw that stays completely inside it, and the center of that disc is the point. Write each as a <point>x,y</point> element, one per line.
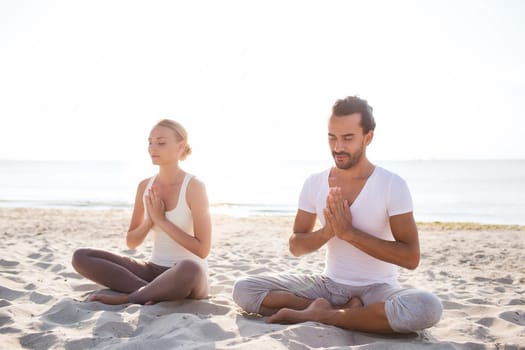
<point>384,194</point>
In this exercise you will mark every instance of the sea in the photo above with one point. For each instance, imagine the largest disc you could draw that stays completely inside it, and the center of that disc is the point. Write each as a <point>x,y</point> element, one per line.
<point>478,191</point>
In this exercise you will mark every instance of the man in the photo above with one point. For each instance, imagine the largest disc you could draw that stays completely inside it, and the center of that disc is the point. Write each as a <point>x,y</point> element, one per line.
<point>369,230</point>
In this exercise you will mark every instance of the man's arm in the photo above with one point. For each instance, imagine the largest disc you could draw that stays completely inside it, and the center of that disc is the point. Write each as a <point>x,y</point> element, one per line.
<point>403,251</point>
<point>304,239</point>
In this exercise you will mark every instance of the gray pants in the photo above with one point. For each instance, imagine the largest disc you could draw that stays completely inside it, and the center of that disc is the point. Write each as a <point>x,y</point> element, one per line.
<point>407,310</point>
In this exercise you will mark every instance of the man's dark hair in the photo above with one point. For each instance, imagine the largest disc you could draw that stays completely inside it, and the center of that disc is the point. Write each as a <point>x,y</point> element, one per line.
<point>354,104</point>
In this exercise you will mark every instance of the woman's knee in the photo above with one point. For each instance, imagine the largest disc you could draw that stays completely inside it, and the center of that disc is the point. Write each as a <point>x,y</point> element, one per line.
<point>190,272</point>
<point>80,259</point>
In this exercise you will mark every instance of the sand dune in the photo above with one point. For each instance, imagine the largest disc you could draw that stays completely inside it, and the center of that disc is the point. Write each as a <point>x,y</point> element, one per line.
<point>478,273</point>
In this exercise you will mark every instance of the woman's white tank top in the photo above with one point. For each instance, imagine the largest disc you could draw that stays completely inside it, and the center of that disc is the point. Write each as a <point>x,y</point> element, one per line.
<point>166,251</point>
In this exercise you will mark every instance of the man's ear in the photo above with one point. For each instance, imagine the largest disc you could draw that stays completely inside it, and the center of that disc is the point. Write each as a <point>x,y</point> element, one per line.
<point>369,137</point>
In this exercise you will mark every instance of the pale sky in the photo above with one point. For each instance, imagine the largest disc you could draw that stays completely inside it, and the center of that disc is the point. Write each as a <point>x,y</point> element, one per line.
<point>255,80</point>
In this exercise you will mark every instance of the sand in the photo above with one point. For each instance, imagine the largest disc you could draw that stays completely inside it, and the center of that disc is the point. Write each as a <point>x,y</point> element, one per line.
<point>477,271</point>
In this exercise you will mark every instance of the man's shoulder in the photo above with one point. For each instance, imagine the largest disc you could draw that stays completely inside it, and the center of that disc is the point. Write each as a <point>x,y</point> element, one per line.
<point>389,180</point>
<point>386,174</point>
<point>318,176</point>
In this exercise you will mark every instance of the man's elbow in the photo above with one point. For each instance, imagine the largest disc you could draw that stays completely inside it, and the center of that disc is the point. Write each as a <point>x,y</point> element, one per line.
<point>293,248</point>
<point>294,251</point>
<point>413,262</point>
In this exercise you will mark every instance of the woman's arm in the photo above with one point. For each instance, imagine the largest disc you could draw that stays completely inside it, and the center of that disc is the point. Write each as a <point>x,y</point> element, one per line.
<point>197,200</point>
<point>138,227</point>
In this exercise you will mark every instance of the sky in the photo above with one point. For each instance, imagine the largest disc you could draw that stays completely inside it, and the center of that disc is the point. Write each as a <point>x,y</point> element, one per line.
<point>254,81</point>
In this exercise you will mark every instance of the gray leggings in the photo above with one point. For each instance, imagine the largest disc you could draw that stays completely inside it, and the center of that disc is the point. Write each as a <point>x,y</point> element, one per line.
<point>407,310</point>
<point>143,281</point>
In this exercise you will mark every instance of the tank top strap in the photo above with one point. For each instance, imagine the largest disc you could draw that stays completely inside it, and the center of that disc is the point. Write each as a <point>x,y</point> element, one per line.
<point>184,186</point>
<point>150,183</point>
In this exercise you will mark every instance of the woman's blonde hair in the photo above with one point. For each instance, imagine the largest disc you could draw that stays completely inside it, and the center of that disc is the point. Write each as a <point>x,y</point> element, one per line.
<point>180,134</point>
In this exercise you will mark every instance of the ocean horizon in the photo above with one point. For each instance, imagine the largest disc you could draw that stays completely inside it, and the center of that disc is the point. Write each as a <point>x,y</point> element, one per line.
<point>480,191</point>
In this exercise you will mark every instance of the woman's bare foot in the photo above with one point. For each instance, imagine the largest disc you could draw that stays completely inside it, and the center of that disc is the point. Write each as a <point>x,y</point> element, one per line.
<point>111,299</point>
<point>314,312</point>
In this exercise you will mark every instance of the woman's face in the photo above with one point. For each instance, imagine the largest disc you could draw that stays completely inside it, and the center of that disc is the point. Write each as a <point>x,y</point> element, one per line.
<point>163,145</point>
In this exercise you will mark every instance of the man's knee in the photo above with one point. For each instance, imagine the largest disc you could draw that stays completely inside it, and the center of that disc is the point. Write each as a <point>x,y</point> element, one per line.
<point>246,294</point>
<point>413,311</point>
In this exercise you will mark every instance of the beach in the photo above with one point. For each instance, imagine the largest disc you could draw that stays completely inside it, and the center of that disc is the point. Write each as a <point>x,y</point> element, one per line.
<point>478,271</point>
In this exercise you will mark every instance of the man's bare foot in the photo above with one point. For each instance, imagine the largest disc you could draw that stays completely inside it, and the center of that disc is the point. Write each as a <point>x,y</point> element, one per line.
<point>111,299</point>
<point>352,303</point>
<point>319,307</point>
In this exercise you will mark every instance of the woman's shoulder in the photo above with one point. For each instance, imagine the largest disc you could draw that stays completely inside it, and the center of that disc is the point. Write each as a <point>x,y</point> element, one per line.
<point>196,188</point>
<point>194,183</point>
<point>144,183</point>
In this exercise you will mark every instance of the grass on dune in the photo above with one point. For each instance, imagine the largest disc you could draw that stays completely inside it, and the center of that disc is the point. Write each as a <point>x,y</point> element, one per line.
<point>467,226</point>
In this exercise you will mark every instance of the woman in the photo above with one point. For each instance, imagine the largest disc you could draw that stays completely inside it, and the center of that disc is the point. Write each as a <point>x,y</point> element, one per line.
<point>173,206</point>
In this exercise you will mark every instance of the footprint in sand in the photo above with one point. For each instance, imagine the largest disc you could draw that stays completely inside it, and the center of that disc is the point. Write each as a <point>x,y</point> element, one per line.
<point>516,317</point>
<point>479,301</point>
<point>10,294</point>
<point>66,312</point>
<point>504,280</point>
<point>71,275</point>
<point>8,263</point>
<point>116,329</point>
<point>43,265</point>
<point>30,286</point>
<point>41,340</point>
<point>450,305</point>
<point>5,319</point>
<point>486,321</point>
<point>38,298</point>
<point>45,250</point>
<point>58,267</point>
<point>84,343</point>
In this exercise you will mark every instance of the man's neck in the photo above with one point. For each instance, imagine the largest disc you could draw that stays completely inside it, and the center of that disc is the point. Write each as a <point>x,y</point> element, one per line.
<point>359,171</point>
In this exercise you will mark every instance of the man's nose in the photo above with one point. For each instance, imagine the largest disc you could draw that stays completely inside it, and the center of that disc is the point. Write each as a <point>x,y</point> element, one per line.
<point>338,146</point>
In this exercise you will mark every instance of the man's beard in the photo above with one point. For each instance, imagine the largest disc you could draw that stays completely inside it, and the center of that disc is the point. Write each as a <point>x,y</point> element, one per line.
<point>352,159</point>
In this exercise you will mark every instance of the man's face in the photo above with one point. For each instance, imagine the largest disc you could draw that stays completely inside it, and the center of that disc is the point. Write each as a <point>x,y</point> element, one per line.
<point>346,140</point>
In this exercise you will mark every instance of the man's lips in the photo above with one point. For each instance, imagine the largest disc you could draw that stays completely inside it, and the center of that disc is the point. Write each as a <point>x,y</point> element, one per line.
<point>341,156</point>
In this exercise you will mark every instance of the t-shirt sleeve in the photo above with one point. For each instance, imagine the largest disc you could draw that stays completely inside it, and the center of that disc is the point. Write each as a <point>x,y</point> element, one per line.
<point>400,200</point>
<point>306,201</point>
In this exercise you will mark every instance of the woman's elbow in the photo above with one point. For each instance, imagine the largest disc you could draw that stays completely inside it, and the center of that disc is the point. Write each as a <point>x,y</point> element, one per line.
<point>203,255</point>
<point>131,243</point>
<point>203,252</point>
